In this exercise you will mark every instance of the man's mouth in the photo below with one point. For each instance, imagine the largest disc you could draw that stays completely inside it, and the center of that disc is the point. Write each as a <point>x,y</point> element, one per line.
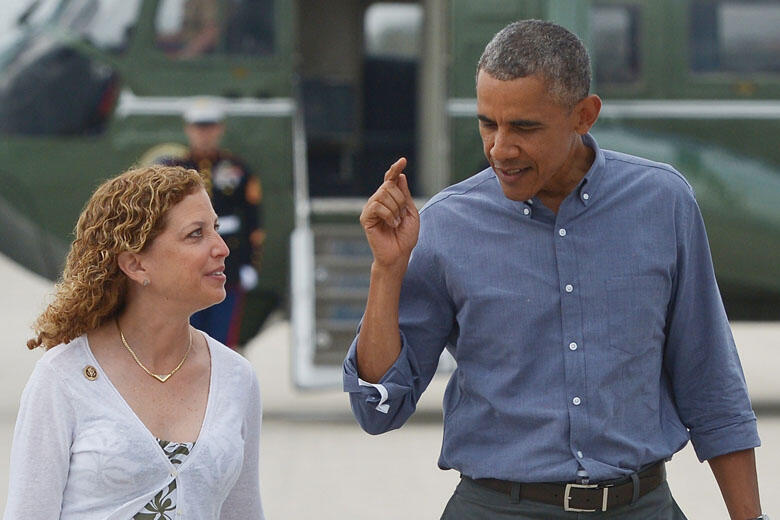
<point>513,172</point>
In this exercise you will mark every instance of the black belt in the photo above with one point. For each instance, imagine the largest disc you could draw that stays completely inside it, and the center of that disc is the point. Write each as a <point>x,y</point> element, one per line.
<point>585,498</point>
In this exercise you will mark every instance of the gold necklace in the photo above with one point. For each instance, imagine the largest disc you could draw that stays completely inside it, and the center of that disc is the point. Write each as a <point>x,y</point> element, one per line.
<point>161,379</point>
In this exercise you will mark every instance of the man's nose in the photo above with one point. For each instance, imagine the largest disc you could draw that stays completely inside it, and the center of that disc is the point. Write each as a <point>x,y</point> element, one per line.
<point>504,147</point>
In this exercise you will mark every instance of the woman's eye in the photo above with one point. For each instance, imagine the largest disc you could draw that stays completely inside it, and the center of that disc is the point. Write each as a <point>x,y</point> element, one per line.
<point>197,233</point>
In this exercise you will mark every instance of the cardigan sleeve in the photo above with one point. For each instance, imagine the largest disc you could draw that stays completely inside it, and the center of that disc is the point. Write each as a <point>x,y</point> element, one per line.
<point>40,454</point>
<point>243,502</point>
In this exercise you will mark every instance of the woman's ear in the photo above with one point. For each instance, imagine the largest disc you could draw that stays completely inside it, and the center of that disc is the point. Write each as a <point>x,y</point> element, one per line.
<point>131,265</point>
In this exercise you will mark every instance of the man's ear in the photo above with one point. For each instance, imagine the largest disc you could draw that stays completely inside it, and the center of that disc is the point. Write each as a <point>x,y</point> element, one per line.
<point>131,265</point>
<point>587,112</point>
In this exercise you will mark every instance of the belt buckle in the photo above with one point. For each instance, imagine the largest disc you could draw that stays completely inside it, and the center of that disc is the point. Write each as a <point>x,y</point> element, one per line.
<point>567,497</point>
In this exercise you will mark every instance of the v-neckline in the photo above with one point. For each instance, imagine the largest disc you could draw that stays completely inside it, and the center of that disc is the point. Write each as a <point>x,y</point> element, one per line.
<point>149,434</point>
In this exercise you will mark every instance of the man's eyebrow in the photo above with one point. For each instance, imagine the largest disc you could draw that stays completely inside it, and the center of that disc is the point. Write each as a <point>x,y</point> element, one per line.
<point>521,123</point>
<point>525,123</point>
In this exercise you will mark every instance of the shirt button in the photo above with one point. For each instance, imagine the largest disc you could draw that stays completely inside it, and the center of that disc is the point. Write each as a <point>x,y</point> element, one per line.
<point>579,454</point>
<point>174,473</point>
<point>585,196</point>
<point>569,287</point>
<point>577,401</point>
<point>526,211</point>
<point>572,346</point>
<point>562,232</point>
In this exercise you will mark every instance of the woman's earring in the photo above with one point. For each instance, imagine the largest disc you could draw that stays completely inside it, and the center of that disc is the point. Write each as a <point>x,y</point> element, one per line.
<point>145,283</point>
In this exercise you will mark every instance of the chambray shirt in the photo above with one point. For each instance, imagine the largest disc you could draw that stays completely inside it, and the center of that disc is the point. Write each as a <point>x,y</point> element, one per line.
<point>590,342</point>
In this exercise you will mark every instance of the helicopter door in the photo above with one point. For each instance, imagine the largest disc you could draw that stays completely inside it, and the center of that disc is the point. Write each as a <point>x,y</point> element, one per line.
<point>359,84</point>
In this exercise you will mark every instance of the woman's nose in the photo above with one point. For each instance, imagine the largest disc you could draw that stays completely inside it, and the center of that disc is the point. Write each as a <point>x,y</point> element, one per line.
<point>220,247</point>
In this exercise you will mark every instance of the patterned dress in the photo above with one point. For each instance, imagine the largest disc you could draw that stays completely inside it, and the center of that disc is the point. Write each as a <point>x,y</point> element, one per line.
<point>163,505</point>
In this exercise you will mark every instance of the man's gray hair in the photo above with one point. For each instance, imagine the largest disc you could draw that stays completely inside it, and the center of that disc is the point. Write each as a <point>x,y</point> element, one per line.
<point>529,47</point>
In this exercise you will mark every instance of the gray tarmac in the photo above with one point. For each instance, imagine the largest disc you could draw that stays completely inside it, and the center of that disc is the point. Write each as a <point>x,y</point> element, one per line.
<point>317,463</point>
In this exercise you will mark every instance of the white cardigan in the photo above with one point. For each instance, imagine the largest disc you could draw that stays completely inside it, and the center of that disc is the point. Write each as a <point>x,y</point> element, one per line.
<point>80,452</point>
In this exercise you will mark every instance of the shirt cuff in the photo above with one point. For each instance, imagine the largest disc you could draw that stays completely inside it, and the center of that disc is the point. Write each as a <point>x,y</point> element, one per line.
<point>726,439</point>
<point>382,406</point>
<point>394,385</point>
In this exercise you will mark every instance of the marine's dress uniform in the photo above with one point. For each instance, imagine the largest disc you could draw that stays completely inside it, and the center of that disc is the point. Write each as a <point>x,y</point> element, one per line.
<point>236,195</point>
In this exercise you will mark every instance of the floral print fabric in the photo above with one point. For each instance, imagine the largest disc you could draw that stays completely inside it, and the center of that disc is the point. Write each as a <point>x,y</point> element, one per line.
<point>163,505</point>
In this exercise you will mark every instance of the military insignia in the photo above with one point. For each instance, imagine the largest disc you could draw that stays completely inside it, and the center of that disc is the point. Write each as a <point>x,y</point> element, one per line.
<point>90,372</point>
<point>226,176</point>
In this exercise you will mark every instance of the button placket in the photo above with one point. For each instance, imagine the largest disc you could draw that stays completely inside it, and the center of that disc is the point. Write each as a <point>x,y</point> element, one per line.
<point>569,275</point>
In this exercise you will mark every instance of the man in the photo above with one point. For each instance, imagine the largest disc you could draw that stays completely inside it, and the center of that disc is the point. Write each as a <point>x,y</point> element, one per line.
<point>575,289</point>
<point>197,32</point>
<point>236,195</point>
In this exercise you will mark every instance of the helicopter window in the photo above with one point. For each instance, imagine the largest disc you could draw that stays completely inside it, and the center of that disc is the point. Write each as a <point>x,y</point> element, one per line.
<point>615,43</point>
<point>105,23</point>
<point>190,28</point>
<point>393,30</point>
<point>734,36</point>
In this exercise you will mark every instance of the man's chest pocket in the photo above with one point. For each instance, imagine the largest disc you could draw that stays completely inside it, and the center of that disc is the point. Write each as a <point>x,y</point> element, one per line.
<point>636,312</point>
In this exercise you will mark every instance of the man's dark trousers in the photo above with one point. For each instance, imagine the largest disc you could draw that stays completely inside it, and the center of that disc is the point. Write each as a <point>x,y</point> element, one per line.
<point>472,501</point>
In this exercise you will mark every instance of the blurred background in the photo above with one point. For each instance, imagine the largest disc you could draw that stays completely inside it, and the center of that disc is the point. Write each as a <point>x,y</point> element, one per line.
<point>320,97</point>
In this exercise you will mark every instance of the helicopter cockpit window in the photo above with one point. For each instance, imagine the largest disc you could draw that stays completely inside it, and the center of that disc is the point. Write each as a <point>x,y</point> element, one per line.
<point>615,43</point>
<point>187,29</point>
<point>739,37</point>
<point>107,24</point>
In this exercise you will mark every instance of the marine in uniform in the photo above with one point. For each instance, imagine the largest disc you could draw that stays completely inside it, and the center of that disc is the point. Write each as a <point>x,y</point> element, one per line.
<point>236,195</point>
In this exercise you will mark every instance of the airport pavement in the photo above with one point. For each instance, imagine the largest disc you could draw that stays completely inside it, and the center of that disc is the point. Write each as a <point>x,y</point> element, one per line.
<point>317,464</point>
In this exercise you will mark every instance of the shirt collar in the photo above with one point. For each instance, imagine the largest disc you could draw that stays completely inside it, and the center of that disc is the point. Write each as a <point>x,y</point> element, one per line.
<point>588,187</point>
<point>585,190</point>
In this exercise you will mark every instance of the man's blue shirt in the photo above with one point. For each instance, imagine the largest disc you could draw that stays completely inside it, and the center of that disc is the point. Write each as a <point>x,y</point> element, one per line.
<point>594,339</point>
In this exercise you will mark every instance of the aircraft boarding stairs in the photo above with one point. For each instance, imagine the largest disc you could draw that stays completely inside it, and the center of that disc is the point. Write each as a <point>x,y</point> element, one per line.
<point>342,265</point>
<point>331,264</point>
<point>331,270</point>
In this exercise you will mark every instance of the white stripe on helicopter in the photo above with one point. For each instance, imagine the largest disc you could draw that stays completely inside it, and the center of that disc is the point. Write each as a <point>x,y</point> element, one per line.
<point>130,104</point>
<point>658,109</point>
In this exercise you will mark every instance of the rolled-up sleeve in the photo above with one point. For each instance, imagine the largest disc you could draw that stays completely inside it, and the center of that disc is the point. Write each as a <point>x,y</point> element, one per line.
<point>385,405</point>
<point>426,319</point>
<point>700,356</point>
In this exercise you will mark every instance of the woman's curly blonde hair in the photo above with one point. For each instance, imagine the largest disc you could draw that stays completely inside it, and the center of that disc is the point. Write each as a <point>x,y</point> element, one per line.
<point>125,213</point>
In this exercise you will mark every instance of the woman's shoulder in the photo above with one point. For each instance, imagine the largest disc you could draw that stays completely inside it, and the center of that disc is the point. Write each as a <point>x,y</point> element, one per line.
<point>60,367</point>
<point>227,360</point>
<point>64,356</point>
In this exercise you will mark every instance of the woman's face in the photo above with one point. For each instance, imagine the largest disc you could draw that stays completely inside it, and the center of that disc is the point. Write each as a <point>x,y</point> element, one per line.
<point>185,263</point>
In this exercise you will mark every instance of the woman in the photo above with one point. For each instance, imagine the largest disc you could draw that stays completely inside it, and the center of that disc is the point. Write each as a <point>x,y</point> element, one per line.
<point>131,413</point>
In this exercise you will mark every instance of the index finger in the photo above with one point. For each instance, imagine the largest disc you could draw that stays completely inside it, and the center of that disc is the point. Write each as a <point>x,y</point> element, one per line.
<point>396,169</point>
